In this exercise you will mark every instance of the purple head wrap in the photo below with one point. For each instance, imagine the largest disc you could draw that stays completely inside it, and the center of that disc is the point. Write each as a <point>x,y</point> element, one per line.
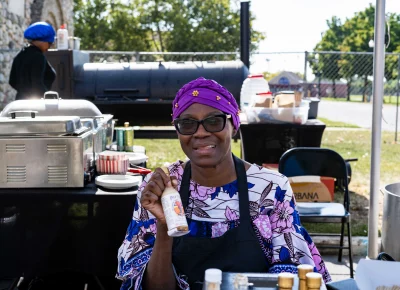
<point>209,93</point>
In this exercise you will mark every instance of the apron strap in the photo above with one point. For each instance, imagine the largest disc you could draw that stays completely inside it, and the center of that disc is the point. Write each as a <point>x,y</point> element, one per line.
<point>185,185</point>
<point>242,189</point>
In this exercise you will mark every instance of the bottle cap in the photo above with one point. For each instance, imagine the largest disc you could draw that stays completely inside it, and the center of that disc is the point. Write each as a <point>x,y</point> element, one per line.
<point>303,270</point>
<point>126,124</point>
<point>213,275</point>
<point>165,169</point>
<point>285,280</point>
<point>314,280</point>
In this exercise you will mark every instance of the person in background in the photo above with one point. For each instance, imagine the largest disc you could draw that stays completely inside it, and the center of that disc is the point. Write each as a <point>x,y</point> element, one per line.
<point>241,217</point>
<point>31,74</point>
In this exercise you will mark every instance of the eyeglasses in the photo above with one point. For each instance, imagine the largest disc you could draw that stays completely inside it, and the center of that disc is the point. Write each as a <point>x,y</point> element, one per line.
<point>212,124</point>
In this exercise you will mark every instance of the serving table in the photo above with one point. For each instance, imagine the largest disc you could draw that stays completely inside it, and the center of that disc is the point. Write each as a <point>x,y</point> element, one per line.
<point>55,230</point>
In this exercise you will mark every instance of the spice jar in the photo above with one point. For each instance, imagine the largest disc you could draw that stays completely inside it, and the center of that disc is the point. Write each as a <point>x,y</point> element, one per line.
<point>302,270</point>
<point>314,281</point>
<point>285,281</point>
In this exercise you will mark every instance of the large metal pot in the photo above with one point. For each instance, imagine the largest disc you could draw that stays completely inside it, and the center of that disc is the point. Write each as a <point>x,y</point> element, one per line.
<point>391,220</point>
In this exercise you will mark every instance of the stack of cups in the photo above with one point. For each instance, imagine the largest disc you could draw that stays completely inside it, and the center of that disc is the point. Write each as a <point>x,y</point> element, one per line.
<point>112,163</point>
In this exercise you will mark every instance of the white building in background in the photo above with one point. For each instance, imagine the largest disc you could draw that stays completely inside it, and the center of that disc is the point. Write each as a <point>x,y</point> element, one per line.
<point>15,17</point>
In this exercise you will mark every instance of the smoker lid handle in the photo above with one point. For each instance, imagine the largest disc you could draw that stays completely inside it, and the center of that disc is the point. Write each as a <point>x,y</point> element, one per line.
<point>51,93</point>
<point>13,114</point>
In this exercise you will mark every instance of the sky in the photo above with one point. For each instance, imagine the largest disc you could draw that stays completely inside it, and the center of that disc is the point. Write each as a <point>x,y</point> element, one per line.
<point>296,26</point>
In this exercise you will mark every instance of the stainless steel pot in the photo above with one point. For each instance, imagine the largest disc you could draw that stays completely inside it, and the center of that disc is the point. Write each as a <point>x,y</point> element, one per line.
<point>391,220</point>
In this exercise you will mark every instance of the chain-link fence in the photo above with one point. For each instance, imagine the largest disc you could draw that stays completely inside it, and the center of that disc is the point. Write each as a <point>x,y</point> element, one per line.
<point>345,75</point>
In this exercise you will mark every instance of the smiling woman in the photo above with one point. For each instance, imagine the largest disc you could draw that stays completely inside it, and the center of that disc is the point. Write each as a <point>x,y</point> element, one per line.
<point>241,217</point>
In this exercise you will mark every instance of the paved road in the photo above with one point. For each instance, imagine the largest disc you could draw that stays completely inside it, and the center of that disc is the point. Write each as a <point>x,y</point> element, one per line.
<point>359,114</point>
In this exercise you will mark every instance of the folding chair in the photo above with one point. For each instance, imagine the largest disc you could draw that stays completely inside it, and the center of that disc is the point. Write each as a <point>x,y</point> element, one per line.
<point>303,161</point>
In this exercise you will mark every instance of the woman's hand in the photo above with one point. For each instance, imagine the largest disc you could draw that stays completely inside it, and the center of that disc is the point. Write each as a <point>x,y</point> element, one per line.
<point>151,194</point>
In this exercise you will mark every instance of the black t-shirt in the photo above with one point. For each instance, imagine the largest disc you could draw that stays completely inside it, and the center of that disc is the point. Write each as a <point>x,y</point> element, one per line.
<point>31,74</point>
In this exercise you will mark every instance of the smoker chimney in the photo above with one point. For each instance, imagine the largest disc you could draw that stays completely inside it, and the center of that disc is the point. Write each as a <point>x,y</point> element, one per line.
<point>245,32</point>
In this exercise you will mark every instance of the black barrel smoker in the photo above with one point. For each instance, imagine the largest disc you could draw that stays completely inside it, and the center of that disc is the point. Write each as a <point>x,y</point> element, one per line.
<point>138,92</point>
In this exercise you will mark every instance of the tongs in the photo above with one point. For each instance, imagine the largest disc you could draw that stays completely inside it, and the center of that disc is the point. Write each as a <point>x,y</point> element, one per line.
<point>138,170</point>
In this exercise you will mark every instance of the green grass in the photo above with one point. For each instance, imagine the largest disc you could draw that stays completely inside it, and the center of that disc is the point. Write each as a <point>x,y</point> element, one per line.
<point>348,143</point>
<point>330,123</point>
<point>391,100</point>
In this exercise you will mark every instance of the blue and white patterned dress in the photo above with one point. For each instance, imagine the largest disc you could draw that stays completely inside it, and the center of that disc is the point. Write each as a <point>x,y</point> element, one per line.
<point>212,211</point>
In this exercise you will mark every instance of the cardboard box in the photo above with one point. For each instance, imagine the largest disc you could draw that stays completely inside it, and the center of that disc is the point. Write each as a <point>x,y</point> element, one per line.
<point>309,188</point>
<point>263,101</point>
<point>284,100</point>
<point>313,188</point>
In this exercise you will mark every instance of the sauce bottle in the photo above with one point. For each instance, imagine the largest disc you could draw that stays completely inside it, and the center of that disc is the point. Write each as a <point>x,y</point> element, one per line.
<point>285,281</point>
<point>173,210</point>
<point>314,281</point>
<point>62,38</point>
<point>302,270</point>
<point>128,137</point>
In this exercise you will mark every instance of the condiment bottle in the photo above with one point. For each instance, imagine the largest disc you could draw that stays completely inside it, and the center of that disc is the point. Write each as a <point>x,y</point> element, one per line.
<point>285,281</point>
<point>128,137</point>
<point>314,281</point>
<point>173,210</point>
<point>212,279</point>
<point>302,270</point>
<point>62,37</point>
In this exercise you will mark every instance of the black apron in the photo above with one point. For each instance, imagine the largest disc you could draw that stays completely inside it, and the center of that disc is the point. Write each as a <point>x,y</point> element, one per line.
<point>238,250</point>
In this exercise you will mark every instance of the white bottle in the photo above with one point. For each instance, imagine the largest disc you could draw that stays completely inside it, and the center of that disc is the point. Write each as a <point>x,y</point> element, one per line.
<point>212,279</point>
<point>251,86</point>
<point>173,211</point>
<point>62,38</point>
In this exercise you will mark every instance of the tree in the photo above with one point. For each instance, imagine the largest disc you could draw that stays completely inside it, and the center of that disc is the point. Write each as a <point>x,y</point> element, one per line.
<point>155,25</point>
<point>91,24</point>
<point>327,65</point>
<point>109,25</point>
<point>354,36</point>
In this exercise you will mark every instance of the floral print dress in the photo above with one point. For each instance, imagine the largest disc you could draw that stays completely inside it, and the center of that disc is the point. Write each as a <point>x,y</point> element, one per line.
<point>212,211</point>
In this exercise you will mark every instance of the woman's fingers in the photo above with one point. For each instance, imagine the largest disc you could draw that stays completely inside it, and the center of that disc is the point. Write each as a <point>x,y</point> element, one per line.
<point>154,187</point>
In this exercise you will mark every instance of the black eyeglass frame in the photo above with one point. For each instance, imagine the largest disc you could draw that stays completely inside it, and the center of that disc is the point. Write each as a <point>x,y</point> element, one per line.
<point>225,117</point>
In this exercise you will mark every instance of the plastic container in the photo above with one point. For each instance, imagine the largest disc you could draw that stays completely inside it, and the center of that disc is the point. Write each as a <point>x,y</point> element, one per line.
<point>62,38</point>
<point>295,115</point>
<point>251,86</point>
<point>264,99</point>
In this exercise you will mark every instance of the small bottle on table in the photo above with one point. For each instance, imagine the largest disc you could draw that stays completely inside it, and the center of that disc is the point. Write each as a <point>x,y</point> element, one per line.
<point>285,281</point>
<point>302,270</point>
<point>314,281</point>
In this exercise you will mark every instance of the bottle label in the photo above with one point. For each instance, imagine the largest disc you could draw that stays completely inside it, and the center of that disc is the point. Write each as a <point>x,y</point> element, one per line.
<point>173,211</point>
